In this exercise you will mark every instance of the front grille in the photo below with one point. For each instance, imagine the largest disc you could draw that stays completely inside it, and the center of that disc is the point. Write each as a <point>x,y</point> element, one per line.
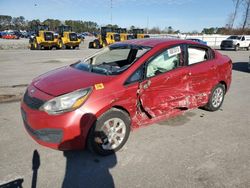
<point>227,43</point>
<point>48,36</point>
<point>73,37</point>
<point>32,102</point>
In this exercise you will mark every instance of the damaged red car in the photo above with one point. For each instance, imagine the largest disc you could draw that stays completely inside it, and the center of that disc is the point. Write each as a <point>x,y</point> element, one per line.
<point>97,101</point>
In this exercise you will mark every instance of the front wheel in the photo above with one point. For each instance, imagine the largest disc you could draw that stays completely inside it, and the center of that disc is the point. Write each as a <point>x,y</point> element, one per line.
<point>91,45</point>
<point>76,47</point>
<point>110,132</point>
<point>216,98</point>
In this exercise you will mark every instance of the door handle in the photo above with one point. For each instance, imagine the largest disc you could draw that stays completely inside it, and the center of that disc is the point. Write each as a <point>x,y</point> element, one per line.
<point>147,84</point>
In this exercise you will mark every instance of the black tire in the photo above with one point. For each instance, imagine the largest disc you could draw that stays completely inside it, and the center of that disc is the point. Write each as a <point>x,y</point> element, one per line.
<point>98,139</point>
<point>32,46</point>
<point>91,45</point>
<point>210,106</point>
<point>76,47</point>
<point>38,46</point>
<point>97,44</point>
<point>64,47</point>
<point>236,47</point>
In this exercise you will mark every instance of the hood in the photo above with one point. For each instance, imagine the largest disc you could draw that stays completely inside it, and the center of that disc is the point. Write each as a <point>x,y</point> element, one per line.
<point>67,79</point>
<point>230,40</point>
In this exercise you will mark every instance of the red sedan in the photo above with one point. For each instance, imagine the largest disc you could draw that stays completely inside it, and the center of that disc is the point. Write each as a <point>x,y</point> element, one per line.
<point>97,101</point>
<point>9,36</point>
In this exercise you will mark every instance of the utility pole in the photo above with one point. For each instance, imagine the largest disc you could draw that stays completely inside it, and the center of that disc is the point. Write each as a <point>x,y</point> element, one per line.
<point>147,24</point>
<point>111,6</point>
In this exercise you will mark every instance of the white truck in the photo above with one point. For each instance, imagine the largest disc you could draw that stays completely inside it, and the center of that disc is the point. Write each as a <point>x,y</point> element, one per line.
<point>236,42</point>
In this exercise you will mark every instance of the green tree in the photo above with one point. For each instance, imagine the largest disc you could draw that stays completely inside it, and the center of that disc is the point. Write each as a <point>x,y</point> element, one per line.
<point>32,24</point>
<point>80,26</point>
<point>209,31</point>
<point>170,30</point>
<point>155,30</point>
<point>5,22</point>
<point>53,24</point>
<point>19,23</point>
<point>132,27</point>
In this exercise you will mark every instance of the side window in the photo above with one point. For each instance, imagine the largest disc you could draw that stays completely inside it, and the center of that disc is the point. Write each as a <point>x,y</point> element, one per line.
<point>197,55</point>
<point>243,38</point>
<point>166,61</point>
<point>136,76</point>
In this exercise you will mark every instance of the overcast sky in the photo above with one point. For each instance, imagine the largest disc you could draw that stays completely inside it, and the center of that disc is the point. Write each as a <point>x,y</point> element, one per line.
<point>185,15</point>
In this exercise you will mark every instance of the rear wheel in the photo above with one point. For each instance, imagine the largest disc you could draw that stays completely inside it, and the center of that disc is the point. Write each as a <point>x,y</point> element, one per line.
<point>216,98</point>
<point>237,47</point>
<point>110,132</point>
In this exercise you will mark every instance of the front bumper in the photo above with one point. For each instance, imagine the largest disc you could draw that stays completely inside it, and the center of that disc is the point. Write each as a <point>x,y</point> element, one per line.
<point>227,46</point>
<point>50,135</point>
<point>249,64</point>
<point>63,132</point>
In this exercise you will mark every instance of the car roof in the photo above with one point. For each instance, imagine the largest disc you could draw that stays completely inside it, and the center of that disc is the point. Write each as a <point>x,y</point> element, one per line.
<point>152,42</point>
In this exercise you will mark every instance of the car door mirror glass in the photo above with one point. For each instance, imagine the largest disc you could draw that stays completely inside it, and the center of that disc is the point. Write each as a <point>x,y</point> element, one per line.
<point>135,77</point>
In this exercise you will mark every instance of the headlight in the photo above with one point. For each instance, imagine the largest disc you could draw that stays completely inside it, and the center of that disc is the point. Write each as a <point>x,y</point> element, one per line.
<point>67,102</point>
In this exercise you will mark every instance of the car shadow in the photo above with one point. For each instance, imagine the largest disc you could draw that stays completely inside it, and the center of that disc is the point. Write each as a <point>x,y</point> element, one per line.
<point>241,66</point>
<point>85,169</point>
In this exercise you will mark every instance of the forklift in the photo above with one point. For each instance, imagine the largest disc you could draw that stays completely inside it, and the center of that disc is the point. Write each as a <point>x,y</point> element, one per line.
<point>106,37</point>
<point>124,35</point>
<point>67,38</point>
<point>139,34</point>
<point>43,38</point>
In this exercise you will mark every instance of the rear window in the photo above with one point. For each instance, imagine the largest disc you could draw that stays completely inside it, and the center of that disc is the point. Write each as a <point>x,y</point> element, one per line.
<point>199,54</point>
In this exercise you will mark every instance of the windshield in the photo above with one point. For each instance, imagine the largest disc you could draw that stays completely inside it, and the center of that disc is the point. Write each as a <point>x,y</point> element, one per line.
<point>234,37</point>
<point>112,60</point>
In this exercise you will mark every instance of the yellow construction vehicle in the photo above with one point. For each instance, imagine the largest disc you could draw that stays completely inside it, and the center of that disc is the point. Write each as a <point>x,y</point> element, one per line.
<point>124,35</point>
<point>67,38</point>
<point>139,34</point>
<point>106,37</point>
<point>43,38</point>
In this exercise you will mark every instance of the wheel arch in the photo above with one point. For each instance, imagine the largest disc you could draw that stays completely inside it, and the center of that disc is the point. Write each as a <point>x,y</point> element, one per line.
<point>122,108</point>
<point>225,84</point>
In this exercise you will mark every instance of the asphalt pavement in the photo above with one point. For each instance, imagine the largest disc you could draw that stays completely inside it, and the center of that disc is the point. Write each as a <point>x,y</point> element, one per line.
<point>197,149</point>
